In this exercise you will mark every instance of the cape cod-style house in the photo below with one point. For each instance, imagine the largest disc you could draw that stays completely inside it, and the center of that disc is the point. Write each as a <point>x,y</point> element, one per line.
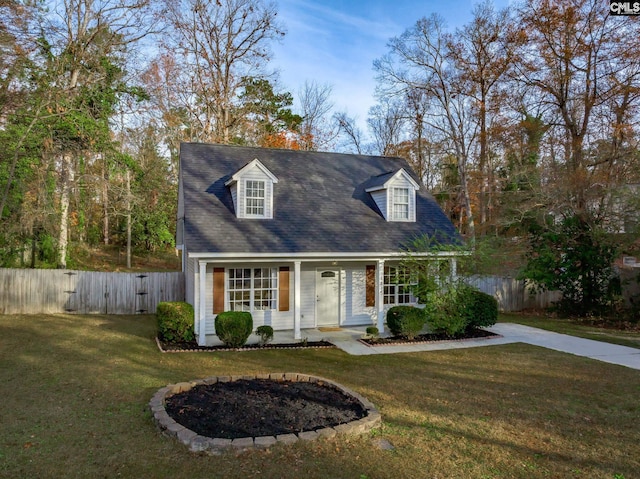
<point>300,239</point>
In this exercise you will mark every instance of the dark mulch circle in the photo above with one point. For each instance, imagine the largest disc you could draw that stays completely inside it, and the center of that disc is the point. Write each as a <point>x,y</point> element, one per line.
<point>429,337</point>
<point>261,407</point>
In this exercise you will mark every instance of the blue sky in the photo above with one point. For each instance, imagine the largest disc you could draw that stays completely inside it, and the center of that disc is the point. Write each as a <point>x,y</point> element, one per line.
<point>336,41</point>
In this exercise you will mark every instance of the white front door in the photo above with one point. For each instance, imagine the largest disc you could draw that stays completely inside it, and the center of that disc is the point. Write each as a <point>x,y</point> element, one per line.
<point>328,297</point>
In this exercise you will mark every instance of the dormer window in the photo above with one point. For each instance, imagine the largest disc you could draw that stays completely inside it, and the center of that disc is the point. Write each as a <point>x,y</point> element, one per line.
<point>254,198</point>
<point>395,195</point>
<point>251,188</point>
<point>400,205</point>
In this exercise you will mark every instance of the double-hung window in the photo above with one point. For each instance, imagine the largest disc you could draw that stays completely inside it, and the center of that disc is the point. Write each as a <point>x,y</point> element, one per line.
<point>253,289</point>
<point>397,286</point>
<point>254,198</point>
<point>400,204</point>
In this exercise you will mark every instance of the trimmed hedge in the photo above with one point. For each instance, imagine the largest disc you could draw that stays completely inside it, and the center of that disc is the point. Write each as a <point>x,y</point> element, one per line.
<point>482,310</point>
<point>175,322</point>
<point>266,334</point>
<point>405,321</point>
<point>234,327</point>
<point>373,331</point>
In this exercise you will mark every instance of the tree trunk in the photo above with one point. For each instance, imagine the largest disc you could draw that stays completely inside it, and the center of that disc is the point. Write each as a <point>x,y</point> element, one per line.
<point>128,177</point>
<point>66,180</point>
<point>105,204</point>
<point>483,161</point>
<point>464,186</point>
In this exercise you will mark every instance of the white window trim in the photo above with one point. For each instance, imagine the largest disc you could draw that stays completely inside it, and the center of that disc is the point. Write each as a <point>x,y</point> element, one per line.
<point>273,286</point>
<point>263,184</point>
<point>394,202</point>
<point>238,185</point>
<point>390,283</point>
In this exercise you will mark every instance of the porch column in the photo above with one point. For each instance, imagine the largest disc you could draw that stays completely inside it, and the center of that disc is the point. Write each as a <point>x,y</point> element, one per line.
<point>454,269</point>
<point>296,300</point>
<point>202,302</point>
<point>379,295</point>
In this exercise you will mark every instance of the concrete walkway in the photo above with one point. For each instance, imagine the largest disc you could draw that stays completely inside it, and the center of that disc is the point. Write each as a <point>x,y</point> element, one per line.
<point>347,340</point>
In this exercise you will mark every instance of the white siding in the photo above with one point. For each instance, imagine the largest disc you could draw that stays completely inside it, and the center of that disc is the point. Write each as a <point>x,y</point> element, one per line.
<point>190,277</point>
<point>209,316</point>
<point>268,200</point>
<point>234,197</point>
<point>384,198</point>
<point>308,296</point>
<point>356,310</point>
<point>380,197</point>
<point>192,294</point>
<point>258,175</point>
<point>353,309</point>
<point>278,320</point>
<point>402,182</point>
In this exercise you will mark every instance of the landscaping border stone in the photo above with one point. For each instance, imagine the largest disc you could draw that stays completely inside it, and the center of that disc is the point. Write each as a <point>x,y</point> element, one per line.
<point>200,444</point>
<point>165,348</point>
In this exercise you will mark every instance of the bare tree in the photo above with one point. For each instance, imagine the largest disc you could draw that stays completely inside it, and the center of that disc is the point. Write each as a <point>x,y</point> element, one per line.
<point>482,52</point>
<point>581,63</point>
<point>386,121</point>
<point>420,59</point>
<point>317,131</point>
<point>218,44</point>
<point>348,128</point>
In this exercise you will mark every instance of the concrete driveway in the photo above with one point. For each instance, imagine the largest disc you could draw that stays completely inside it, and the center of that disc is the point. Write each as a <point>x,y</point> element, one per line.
<point>347,340</point>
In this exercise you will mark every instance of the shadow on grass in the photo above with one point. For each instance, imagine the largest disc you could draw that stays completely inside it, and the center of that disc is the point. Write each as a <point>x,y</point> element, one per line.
<point>77,388</point>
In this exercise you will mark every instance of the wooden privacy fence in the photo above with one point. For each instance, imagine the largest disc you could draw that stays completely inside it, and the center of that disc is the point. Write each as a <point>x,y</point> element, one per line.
<point>514,294</point>
<point>42,291</point>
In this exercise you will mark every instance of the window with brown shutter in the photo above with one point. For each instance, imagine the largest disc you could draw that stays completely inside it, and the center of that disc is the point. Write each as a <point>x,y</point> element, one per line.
<point>218,290</point>
<point>371,285</point>
<point>283,293</point>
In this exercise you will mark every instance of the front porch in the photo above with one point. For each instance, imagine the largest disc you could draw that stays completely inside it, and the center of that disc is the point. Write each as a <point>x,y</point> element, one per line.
<point>296,297</point>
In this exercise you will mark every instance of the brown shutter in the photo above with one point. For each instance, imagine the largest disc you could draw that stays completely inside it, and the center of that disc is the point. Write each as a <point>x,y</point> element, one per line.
<point>371,285</point>
<point>283,289</point>
<point>218,290</point>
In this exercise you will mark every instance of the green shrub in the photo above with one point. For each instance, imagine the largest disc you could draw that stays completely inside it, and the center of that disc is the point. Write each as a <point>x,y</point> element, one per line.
<point>575,257</point>
<point>405,321</point>
<point>175,322</point>
<point>482,310</point>
<point>458,308</point>
<point>234,327</point>
<point>266,334</point>
<point>372,331</point>
<point>451,325</point>
<point>445,311</point>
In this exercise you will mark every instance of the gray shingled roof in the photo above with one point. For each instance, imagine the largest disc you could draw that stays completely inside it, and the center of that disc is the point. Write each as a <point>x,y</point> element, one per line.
<point>320,204</point>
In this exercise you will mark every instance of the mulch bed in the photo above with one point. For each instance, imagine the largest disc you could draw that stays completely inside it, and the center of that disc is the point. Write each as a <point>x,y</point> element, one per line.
<point>428,338</point>
<point>261,407</point>
<point>192,346</point>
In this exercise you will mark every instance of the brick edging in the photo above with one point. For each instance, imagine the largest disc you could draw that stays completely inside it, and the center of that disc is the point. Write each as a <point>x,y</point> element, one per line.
<point>433,341</point>
<point>197,443</point>
<point>241,349</point>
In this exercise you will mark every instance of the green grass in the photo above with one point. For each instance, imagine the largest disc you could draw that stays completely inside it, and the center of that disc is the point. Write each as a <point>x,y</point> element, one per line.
<point>578,328</point>
<point>75,391</point>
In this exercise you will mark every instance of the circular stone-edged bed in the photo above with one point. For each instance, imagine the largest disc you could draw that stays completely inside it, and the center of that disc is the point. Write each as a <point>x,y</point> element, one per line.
<point>240,412</point>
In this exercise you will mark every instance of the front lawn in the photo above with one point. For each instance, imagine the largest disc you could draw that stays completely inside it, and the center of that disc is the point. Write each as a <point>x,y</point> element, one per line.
<point>75,390</point>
